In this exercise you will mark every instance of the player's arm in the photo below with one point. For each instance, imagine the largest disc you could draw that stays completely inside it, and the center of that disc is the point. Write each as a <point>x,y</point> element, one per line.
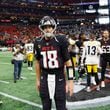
<point>70,72</point>
<point>100,51</point>
<point>38,73</point>
<point>25,48</point>
<point>68,64</point>
<point>37,64</point>
<point>83,54</point>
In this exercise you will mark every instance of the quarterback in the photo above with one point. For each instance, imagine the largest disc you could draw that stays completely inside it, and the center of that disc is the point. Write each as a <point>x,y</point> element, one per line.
<point>52,57</point>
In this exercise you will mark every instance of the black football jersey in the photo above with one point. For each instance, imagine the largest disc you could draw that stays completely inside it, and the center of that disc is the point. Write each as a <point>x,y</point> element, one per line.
<point>80,46</point>
<point>106,49</point>
<point>52,53</point>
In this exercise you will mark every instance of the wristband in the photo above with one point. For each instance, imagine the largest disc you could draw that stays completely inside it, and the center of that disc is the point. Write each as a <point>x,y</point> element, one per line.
<point>70,72</point>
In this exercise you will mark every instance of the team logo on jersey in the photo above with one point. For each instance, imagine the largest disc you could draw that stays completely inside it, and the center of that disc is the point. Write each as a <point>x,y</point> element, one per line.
<point>47,43</point>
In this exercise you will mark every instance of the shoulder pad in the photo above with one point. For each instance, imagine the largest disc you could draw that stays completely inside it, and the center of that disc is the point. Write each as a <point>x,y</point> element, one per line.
<point>38,39</point>
<point>61,37</point>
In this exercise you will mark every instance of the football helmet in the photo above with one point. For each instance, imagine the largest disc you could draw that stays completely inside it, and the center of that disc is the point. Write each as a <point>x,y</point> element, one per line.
<point>47,21</point>
<point>81,69</point>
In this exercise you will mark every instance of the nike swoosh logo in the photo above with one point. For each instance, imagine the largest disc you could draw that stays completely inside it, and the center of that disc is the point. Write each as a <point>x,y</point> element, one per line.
<point>60,79</point>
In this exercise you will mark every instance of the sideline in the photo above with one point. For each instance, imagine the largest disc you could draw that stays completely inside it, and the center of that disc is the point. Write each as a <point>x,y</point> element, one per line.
<point>6,82</point>
<point>70,105</point>
<point>5,63</point>
<point>89,103</point>
<point>21,100</point>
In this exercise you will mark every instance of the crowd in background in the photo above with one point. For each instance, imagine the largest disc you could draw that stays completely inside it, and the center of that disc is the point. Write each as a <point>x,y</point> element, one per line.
<point>9,34</point>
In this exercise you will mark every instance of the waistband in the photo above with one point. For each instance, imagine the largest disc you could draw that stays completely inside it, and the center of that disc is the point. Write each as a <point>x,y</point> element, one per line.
<point>53,71</point>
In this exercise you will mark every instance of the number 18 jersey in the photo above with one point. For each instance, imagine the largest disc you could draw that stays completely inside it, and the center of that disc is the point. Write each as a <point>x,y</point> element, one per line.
<point>90,52</point>
<point>52,53</point>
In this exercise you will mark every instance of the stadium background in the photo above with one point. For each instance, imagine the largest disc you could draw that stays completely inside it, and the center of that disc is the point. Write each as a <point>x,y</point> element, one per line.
<point>19,21</point>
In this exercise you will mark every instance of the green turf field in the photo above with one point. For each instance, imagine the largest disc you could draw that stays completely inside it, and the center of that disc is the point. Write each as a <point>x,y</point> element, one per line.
<point>21,95</point>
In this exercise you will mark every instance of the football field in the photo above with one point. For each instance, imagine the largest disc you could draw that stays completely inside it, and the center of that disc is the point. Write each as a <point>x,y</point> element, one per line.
<point>21,95</point>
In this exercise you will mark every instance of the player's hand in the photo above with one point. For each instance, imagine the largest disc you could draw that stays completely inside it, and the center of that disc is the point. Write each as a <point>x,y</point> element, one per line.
<point>69,87</point>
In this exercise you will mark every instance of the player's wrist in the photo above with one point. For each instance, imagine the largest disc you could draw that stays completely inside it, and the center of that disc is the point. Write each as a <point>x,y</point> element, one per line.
<point>70,72</point>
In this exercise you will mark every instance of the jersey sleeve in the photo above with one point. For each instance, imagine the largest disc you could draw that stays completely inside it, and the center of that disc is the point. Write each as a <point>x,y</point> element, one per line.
<point>64,48</point>
<point>83,52</point>
<point>99,48</point>
<point>38,56</point>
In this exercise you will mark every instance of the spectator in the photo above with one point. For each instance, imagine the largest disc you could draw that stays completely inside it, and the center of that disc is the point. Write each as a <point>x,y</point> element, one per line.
<point>18,56</point>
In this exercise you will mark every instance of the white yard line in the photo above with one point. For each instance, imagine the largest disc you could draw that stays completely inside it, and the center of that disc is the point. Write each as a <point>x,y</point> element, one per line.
<point>23,77</point>
<point>21,100</point>
<point>33,73</point>
<point>70,105</point>
<point>1,81</point>
<point>5,63</point>
<point>6,56</point>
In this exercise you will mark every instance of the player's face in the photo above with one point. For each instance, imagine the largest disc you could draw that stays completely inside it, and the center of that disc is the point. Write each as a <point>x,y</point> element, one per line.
<point>106,34</point>
<point>83,37</point>
<point>92,37</point>
<point>48,32</point>
<point>48,29</point>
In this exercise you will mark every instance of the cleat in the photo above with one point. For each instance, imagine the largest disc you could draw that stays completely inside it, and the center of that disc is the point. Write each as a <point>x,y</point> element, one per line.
<point>88,89</point>
<point>98,88</point>
<point>93,80</point>
<point>31,68</point>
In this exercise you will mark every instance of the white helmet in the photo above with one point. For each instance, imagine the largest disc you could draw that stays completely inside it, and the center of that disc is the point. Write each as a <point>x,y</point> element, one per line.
<point>47,21</point>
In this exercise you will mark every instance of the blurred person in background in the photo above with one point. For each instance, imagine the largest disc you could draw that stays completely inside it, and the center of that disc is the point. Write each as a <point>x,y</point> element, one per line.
<point>91,50</point>
<point>18,57</point>
<point>79,43</point>
<point>105,57</point>
<point>29,50</point>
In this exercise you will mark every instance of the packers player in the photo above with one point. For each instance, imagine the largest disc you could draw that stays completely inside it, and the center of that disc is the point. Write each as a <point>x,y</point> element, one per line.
<point>79,44</point>
<point>90,53</point>
<point>29,50</point>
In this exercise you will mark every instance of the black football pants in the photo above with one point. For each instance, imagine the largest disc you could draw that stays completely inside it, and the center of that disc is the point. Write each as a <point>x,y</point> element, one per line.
<point>60,92</point>
<point>103,70</point>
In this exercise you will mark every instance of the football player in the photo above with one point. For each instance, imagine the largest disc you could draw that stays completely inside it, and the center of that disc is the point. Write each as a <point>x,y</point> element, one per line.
<point>29,49</point>
<point>90,52</point>
<point>79,44</point>
<point>52,56</point>
<point>105,57</point>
